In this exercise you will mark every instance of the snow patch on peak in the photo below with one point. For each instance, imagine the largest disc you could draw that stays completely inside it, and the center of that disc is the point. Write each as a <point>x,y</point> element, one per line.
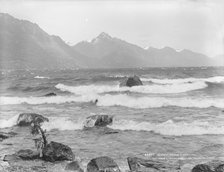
<point>104,36</point>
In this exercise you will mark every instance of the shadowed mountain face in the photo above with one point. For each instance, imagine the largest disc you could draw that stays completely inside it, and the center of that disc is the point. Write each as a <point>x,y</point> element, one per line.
<point>106,51</point>
<point>25,45</point>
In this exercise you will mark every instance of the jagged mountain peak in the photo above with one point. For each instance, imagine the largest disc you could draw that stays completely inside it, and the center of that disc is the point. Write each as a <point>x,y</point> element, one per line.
<point>104,35</point>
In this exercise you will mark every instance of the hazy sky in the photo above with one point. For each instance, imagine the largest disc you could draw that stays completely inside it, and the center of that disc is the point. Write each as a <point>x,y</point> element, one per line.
<point>192,24</point>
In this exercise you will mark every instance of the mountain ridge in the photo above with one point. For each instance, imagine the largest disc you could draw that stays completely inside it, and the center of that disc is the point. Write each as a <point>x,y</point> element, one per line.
<point>24,44</point>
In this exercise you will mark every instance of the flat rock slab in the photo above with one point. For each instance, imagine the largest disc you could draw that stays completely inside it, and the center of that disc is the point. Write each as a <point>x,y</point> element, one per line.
<point>212,166</point>
<point>24,154</point>
<point>143,165</point>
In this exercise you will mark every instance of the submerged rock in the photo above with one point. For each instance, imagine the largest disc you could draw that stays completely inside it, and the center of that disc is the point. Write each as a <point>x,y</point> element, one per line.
<point>24,154</point>
<point>103,163</point>
<point>50,94</point>
<point>131,81</point>
<point>213,166</point>
<point>57,152</point>
<point>73,166</point>
<point>5,135</point>
<point>27,154</point>
<point>138,164</point>
<point>25,119</point>
<point>98,121</point>
<point>11,158</point>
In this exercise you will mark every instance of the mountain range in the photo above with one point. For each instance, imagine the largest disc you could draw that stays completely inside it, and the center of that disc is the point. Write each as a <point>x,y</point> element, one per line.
<point>24,45</point>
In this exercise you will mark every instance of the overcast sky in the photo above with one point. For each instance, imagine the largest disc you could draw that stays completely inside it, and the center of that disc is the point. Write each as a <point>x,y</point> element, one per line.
<point>197,25</point>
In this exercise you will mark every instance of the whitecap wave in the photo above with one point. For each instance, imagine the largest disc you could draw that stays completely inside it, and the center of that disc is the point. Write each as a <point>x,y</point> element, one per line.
<point>170,128</point>
<point>5,123</point>
<point>41,77</point>
<point>119,100</point>
<point>215,79</point>
<point>45,100</point>
<point>156,102</point>
<point>153,89</point>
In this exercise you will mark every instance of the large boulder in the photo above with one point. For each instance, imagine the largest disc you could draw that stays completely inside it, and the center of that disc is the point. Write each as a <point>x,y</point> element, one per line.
<point>131,81</point>
<point>103,163</point>
<point>139,164</point>
<point>98,121</point>
<point>5,135</point>
<point>213,166</point>
<point>25,119</point>
<point>57,152</point>
<point>73,166</point>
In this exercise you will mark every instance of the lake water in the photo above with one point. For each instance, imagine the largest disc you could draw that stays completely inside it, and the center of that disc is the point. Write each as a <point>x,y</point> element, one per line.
<point>176,114</point>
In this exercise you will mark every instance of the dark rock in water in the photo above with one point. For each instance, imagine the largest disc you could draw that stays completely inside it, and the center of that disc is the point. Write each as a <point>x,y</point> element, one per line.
<point>138,164</point>
<point>25,154</point>
<point>25,119</point>
<point>213,166</point>
<point>111,132</point>
<point>131,81</point>
<point>73,166</point>
<point>50,94</point>
<point>57,152</point>
<point>98,121</point>
<point>103,163</point>
<point>4,135</point>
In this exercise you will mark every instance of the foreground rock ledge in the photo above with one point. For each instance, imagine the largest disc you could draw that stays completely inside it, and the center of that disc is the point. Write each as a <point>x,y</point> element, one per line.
<point>140,165</point>
<point>101,164</point>
<point>213,166</point>
<point>131,81</point>
<point>25,119</point>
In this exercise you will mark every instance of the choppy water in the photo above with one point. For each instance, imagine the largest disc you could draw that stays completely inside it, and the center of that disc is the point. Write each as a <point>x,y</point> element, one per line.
<point>177,111</point>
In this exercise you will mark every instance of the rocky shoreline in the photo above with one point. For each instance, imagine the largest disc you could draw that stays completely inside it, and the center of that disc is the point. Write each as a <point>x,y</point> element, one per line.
<point>54,153</point>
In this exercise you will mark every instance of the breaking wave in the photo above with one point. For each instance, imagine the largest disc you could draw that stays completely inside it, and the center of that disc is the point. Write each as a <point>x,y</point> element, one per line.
<point>156,102</point>
<point>165,128</point>
<point>155,89</point>
<point>170,128</point>
<point>215,79</point>
<point>5,123</point>
<point>44,100</point>
<point>119,100</point>
<point>62,124</point>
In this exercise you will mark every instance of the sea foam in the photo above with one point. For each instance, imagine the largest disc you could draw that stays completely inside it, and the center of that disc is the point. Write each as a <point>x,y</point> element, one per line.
<point>170,128</point>
<point>119,100</point>
<point>215,79</point>
<point>5,123</point>
<point>147,89</point>
<point>41,77</point>
<point>60,123</point>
